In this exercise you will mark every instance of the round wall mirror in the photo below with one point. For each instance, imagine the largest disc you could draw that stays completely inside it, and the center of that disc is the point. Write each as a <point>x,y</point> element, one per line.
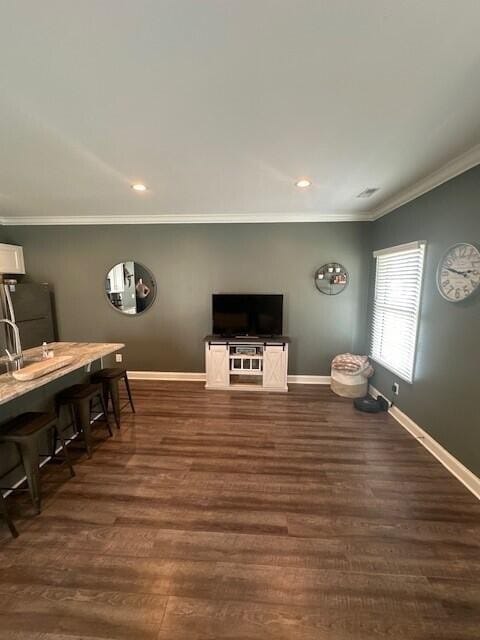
<point>130,287</point>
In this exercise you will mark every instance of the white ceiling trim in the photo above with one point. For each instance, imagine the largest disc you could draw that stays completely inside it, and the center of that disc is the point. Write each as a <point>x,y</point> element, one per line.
<point>220,218</point>
<point>455,167</point>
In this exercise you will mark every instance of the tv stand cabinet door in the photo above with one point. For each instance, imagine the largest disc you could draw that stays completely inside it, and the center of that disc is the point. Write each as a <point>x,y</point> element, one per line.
<point>275,363</point>
<point>218,365</point>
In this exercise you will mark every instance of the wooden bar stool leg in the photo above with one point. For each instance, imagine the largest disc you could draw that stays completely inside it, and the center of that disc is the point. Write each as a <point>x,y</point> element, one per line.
<point>6,515</point>
<point>113,387</point>
<point>105,413</point>
<point>130,399</point>
<point>105,393</point>
<point>82,411</point>
<point>31,461</point>
<point>73,416</point>
<point>66,455</point>
<point>54,437</point>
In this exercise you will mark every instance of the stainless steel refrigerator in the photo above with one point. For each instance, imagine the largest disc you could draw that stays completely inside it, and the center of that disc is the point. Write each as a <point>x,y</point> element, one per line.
<point>30,307</point>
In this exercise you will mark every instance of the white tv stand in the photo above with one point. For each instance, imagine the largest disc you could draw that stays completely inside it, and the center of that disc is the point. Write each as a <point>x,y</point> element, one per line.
<point>246,363</point>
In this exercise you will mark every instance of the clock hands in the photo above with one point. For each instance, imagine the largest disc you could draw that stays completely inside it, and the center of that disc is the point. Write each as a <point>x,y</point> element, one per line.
<point>460,273</point>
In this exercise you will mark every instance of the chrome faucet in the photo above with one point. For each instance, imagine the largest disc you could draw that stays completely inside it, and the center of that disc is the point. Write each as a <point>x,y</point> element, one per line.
<point>16,357</point>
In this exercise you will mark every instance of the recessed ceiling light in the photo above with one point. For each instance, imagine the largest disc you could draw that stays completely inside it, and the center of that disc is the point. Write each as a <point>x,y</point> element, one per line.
<point>368,193</point>
<point>303,183</point>
<point>139,187</point>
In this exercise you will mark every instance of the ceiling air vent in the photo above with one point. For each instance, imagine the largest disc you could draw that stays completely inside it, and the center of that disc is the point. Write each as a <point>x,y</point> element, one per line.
<point>368,193</point>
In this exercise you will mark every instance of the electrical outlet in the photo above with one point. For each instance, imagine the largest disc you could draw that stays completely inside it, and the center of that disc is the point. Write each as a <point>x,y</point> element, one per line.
<point>395,388</point>
<point>118,357</point>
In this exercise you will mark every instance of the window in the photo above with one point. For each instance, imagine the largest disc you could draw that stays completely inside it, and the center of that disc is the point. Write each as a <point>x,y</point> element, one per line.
<point>398,285</point>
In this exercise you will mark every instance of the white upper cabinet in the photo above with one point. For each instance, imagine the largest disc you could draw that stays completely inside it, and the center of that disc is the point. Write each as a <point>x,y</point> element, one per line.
<point>11,259</point>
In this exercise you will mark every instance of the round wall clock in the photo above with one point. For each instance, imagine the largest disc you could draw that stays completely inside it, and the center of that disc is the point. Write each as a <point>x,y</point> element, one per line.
<point>458,273</point>
<point>331,278</point>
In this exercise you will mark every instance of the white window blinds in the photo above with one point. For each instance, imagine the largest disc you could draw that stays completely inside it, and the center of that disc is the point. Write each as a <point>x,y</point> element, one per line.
<point>398,286</point>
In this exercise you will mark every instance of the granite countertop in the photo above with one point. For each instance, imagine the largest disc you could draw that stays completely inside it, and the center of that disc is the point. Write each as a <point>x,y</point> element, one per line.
<point>83,353</point>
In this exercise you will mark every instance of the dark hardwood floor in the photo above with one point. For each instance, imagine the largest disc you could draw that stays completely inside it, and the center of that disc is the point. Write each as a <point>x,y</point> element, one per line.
<point>245,516</point>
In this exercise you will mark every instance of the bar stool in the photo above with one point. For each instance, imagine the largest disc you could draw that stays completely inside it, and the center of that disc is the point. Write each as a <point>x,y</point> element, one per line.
<point>25,432</point>
<point>80,398</point>
<point>4,510</point>
<point>109,379</point>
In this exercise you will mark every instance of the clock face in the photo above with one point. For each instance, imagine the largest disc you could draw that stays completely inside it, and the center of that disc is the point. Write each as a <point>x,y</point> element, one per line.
<point>458,274</point>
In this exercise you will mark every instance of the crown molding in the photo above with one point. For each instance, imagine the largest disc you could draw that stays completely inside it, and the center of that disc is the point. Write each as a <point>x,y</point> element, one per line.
<point>455,167</point>
<point>451,169</point>
<point>208,218</point>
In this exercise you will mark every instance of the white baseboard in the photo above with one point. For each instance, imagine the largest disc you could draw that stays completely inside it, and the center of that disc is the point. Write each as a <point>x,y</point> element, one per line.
<point>181,376</point>
<point>294,379</point>
<point>456,468</point>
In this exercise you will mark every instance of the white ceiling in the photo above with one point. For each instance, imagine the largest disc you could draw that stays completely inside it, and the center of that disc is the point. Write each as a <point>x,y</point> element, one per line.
<point>218,106</point>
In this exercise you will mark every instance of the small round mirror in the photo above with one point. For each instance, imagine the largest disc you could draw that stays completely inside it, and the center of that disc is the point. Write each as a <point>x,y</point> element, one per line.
<point>130,287</point>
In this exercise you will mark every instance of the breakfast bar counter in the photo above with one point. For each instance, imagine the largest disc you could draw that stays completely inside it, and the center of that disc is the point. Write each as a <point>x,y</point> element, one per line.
<point>82,353</point>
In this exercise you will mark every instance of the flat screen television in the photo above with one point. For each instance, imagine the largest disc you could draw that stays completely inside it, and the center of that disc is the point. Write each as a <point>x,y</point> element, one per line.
<point>247,314</point>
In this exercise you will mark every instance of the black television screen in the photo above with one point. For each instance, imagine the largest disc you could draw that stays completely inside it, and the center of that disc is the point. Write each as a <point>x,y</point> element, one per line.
<point>247,314</point>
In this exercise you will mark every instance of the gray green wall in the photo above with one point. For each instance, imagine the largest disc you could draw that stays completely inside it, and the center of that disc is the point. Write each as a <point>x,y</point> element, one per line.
<point>190,262</point>
<point>444,398</point>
